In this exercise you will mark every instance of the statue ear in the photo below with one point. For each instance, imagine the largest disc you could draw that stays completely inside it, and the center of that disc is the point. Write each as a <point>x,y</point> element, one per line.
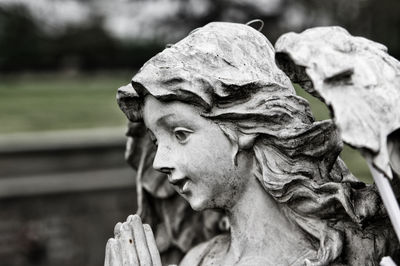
<point>239,140</point>
<point>246,141</point>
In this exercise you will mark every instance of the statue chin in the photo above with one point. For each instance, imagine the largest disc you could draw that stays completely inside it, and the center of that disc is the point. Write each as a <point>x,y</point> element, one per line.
<point>197,203</point>
<point>198,206</point>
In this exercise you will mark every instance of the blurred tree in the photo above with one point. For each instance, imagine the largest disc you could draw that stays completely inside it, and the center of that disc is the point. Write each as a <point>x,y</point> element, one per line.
<point>20,40</point>
<point>124,34</point>
<point>24,45</point>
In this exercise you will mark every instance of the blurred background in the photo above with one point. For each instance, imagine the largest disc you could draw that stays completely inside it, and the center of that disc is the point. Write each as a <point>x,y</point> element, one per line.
<point>63,179</point>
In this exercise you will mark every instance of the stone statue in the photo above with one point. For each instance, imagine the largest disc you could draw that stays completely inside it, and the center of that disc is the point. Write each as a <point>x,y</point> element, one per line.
<point>232,135</point>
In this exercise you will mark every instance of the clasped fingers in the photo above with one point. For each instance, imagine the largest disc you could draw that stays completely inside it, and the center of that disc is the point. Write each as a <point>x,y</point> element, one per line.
<point>133,244</point>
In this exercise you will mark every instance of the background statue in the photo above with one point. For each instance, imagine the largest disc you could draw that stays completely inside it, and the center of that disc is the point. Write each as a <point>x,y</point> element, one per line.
<point>360,82</point>
<point>231,134</point>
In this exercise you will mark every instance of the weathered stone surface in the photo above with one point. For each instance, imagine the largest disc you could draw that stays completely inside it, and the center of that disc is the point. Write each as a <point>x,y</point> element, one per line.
<point>232,135</point>
<point>177,228</point>
<point>357,79</point>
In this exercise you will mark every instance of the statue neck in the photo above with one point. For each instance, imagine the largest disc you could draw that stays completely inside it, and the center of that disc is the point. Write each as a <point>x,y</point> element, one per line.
<point>260,228</point>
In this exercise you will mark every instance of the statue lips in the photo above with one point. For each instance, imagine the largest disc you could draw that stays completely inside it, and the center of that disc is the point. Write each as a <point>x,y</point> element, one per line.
<point>180,183</point>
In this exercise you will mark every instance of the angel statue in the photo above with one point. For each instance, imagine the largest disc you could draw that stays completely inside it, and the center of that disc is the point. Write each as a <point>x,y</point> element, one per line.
<point>233,139</point>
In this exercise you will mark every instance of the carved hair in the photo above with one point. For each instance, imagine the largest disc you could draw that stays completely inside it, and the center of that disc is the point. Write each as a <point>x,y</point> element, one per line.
<point>229,70</point>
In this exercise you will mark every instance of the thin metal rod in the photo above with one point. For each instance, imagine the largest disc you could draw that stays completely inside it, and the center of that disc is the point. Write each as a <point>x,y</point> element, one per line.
<point>388,198</point>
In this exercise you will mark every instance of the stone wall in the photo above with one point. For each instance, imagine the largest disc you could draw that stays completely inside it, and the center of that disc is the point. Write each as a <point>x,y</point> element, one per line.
<point>60,197</point>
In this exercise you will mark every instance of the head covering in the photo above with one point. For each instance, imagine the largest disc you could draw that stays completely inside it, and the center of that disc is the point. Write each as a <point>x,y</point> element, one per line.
<point>212,65</point>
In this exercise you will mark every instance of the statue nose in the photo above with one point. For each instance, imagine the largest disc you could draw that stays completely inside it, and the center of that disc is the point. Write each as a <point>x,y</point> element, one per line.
<point>163,160</point>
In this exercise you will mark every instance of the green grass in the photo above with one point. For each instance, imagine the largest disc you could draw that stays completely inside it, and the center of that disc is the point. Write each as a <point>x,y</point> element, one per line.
<point>56,102</point>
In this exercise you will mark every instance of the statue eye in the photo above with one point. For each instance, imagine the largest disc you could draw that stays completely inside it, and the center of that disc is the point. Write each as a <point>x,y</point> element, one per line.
<point>182,134</point>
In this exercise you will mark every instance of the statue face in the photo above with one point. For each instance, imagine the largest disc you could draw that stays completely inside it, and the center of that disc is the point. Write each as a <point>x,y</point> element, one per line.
<point>196,155</point>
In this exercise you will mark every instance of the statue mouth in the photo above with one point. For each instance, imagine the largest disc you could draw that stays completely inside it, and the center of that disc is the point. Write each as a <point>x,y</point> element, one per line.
<point>181,185</point>
<point>185,187</point>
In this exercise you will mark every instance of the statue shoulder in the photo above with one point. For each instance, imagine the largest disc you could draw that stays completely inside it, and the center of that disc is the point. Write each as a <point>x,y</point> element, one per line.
<point>197,254</point>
